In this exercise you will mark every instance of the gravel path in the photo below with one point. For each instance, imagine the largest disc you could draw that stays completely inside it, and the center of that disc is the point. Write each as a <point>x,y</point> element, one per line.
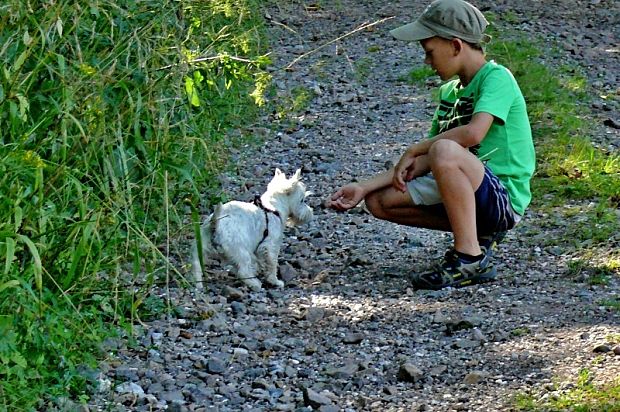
<point>348,333</point>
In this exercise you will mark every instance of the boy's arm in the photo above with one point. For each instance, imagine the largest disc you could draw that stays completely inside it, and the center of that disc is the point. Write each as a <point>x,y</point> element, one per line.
<point>467,135</point>
<point>349,196</point>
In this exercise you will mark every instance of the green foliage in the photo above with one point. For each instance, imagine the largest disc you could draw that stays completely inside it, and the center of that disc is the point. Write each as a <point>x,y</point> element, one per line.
<point>569,166</point>
<point>362,68</point>
<point>612,303</point>
<point>599,274</point>
<point>571,172</point>
<point>417,75</point>
<point>296,101</point>
<point>114,116</point>
<point>583,397</point>
<point>520,331</point>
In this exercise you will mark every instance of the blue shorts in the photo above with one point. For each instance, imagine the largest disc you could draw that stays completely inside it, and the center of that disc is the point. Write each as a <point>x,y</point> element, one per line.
<point>493,210</point>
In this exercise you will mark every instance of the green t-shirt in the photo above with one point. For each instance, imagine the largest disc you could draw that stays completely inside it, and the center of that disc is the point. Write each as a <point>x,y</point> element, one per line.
<point>507,149</point>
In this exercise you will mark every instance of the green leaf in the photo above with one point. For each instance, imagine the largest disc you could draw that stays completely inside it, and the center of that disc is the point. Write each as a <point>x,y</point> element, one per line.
<point>18,216</point>
<point>38,267</point>
<point>20,61</point>
<point>62,65</point>
<point>10,254</point>
<point>24,105</point>
<point>59,26</point>
<point>10,284</point>
<point>19,359</point>
<point>192,92</point>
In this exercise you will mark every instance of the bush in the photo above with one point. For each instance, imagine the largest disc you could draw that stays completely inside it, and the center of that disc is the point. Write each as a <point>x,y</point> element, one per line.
<point>113,116</point>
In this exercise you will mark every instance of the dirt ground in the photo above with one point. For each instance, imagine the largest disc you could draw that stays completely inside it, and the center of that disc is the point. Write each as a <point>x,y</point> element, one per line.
<point>348,332</point>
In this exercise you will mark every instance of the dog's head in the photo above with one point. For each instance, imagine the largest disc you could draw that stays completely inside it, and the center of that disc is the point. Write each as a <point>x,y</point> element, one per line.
<point>290,194</point>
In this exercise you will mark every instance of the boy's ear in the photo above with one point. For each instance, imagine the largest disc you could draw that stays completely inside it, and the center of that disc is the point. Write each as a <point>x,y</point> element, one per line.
<point>457,45</point>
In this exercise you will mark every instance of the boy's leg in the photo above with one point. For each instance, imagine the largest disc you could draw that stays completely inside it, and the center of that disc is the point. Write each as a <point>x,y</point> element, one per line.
<point>458,174</point>
<point>397,207</point>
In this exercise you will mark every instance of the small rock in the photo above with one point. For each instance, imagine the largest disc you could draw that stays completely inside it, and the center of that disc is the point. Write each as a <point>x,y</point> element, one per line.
<point>313,314</point>
<point>232,294</point>
<point>465,344</point>
<point>391,390</point>
<point>343,372</point>
<point>172,396</point>
<point>186,334</point>
<point>601,349</point>
<point>315,399</point>
<point>238,308</point>
<point>409,373</point>
<point>478,336</point>
<point>475,377</point>
<point>353,338</point>
<point>261,383</point>
<point>288,272</point>
<point>609,122</point>
<point>438,370</point>
<point>130,387</point>
<point>173,332</point>
<point>216,365</point>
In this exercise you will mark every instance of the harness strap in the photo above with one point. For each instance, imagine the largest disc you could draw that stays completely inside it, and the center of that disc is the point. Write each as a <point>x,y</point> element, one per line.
<point>258,203</point>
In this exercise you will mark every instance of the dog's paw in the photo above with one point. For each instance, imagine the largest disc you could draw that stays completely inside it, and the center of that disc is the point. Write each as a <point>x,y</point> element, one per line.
<point>253,284</point>
<point>275,282</point>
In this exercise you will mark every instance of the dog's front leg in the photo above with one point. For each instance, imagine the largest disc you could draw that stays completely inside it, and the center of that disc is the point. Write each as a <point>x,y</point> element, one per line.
<point>267,257</point>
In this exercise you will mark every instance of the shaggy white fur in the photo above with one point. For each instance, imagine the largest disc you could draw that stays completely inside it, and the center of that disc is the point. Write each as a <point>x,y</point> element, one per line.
<point>249,235</point>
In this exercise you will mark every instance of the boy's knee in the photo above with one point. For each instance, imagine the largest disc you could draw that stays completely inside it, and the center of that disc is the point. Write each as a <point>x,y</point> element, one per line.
<point>445,152</point>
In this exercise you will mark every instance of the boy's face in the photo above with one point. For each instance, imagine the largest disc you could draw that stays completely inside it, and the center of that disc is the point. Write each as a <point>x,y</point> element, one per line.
<point>440,55</point>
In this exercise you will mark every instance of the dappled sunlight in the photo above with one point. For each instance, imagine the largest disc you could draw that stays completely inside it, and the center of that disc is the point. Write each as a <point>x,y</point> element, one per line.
<point>590,348</point>
<point>360,308</point>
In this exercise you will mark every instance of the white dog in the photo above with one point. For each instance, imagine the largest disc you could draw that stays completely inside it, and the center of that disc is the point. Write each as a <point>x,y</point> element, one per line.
<point>249,235</point>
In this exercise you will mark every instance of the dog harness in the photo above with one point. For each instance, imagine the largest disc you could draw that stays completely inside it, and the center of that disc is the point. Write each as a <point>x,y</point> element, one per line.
<point>258,203</point>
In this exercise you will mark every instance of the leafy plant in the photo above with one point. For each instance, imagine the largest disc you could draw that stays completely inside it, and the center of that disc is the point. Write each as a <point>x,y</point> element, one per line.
<point>583,397</point>
<point>115,116</point>
<point>569,167</point>
<point>612,303</point>
<point>418,74</point>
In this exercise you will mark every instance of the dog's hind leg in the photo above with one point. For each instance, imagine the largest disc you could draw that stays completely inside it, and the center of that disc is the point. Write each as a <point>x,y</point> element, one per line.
<point>268,265</point>
<point>245,266</point>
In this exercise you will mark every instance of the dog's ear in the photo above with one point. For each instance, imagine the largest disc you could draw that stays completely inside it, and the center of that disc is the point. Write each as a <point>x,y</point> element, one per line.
<point>297,175</point>
<point>278,172</point>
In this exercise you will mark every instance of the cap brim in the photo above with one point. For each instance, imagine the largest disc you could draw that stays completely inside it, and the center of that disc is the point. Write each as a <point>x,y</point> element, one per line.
<point>412,32</point>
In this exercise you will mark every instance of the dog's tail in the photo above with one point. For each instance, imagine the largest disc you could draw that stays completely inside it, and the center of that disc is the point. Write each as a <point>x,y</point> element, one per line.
<point>204,245</point>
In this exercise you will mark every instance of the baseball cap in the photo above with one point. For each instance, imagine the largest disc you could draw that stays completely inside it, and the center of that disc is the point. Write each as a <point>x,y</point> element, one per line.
<point>447,19</point>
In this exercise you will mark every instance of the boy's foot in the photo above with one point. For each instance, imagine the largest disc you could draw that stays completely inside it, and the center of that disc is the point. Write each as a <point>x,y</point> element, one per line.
<point>488,243</point>
<point>452,271</point>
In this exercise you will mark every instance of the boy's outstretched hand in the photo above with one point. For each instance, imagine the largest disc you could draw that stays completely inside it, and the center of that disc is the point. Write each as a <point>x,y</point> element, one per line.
<point>347,197</point>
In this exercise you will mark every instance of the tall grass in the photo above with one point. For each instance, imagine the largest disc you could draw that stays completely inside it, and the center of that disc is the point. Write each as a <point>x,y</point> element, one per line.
<point>113,118</point>
<point>570,169</point>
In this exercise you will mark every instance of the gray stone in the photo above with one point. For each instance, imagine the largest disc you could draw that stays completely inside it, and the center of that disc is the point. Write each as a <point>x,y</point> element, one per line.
<point>315,399</point>
<point>353,338</point>
<point>409,373</point>
<point>343,372</point>
<point>216,365</point>
<point>475,377</point>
